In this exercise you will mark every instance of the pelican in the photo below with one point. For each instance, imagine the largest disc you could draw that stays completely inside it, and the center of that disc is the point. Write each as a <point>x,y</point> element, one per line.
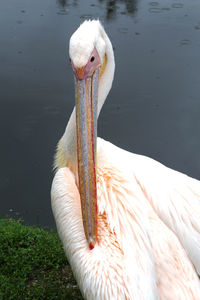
<point>130,226</point>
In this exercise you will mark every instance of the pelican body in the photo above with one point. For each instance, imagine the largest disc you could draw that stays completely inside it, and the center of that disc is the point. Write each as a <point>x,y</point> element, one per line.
<point>130,226</point>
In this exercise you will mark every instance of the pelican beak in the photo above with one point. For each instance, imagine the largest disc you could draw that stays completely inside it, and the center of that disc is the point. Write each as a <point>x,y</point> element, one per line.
<point>86,127</point>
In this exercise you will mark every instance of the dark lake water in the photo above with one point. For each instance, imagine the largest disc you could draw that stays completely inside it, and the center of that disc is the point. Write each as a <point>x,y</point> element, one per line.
<point>153,108</point>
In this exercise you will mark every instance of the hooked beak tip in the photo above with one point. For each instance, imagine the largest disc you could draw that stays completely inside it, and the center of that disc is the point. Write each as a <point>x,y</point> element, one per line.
<point>91,244</point>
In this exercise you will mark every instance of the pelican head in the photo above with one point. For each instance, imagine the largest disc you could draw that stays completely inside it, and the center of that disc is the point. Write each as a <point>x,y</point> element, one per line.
<point>87,50</point>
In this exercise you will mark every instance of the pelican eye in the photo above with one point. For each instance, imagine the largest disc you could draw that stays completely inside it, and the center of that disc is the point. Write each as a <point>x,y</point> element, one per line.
<point>92,59</point>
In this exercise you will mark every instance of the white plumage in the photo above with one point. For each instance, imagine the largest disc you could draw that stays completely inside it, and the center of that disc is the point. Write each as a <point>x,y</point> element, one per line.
<point>148,215</point>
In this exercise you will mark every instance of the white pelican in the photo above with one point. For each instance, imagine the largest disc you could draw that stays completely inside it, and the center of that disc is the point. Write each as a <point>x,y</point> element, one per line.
<point>138,235</point>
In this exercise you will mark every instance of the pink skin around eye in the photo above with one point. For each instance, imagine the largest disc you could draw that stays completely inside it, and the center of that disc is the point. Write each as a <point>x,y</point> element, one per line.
<point>93,63</point>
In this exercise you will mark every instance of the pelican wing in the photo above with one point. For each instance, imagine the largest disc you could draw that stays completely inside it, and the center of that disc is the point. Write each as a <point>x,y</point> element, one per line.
<point>177,278</point>
<point>174,196</point>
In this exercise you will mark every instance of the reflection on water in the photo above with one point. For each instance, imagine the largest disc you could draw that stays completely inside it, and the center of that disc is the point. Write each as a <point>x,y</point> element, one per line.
<point>156,7</point>
<point>112,7</point>
<point>65,3</point>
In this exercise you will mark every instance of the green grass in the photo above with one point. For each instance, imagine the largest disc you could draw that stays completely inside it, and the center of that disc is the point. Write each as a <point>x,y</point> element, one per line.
<point>33,264</point>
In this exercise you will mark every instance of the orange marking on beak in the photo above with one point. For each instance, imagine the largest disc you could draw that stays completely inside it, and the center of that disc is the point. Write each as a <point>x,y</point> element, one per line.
<point>80,73</point>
